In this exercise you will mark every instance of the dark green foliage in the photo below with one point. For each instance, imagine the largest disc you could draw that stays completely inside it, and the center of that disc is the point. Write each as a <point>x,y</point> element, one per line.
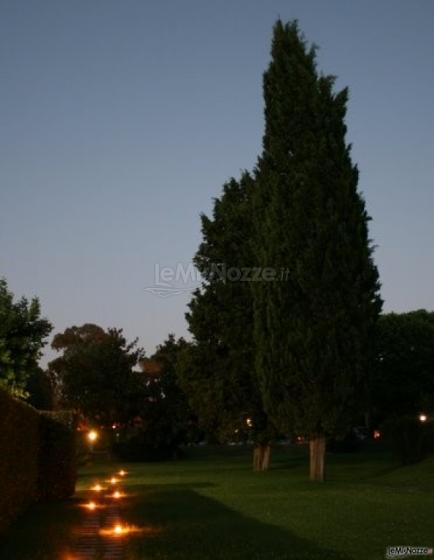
<point>57,456</point>
<point>403,384</point>
<point>218,368</point>
<point>163,420</point>
<point>39,390</point>
<point>313,327</point>
<point>36,456</point>
<point>19,451</point>
<point>94,373</point>
<point>22,337</point>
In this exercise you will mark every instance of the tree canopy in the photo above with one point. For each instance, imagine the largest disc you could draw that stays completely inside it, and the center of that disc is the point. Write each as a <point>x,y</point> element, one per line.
<point>94,374</point>
<point>23,334</point>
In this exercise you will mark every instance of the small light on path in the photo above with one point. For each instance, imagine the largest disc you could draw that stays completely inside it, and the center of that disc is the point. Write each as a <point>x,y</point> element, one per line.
<point>423,418</point>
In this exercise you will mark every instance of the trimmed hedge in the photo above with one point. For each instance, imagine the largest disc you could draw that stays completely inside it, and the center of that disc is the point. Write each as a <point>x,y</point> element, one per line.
<point>19,457</point>
<point>57,456</point>
<point>37,456</point>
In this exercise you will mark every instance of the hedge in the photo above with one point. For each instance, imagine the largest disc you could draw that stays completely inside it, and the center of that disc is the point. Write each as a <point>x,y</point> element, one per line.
<point>57,456</point>
<point>37,456</point>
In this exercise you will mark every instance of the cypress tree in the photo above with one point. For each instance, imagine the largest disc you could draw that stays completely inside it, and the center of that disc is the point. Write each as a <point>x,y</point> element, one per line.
<point>313,326</point>
<point>218,369</point>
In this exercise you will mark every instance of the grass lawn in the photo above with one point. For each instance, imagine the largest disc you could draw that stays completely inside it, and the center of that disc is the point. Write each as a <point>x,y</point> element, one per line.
<point>211,506</point>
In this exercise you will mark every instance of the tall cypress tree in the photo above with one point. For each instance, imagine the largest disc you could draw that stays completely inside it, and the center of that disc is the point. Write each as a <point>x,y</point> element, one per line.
<point>313,326</point>
<point>218,368</point>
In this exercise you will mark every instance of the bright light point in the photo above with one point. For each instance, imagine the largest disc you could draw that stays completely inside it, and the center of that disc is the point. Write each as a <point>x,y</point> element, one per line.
<point>91,506</point>
<point>249,422</point>
<point>117,495</point>
<point>120,530</point>
<point>376,434</point>
<point>113,480</point>
<point>97,488</point>
<point>423,418</point>
<point>122,472</point>
<point>92,436</point>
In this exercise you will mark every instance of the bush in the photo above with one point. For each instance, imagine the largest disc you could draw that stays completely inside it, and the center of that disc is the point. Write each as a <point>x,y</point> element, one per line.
<point>57,456</point>
<point>140,446</point>
<point>37,456</point>
<point>19,443</point>
<point>410,439</point>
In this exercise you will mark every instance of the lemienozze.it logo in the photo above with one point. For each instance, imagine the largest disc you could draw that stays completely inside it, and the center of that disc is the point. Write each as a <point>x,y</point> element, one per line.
<point>406,551</point>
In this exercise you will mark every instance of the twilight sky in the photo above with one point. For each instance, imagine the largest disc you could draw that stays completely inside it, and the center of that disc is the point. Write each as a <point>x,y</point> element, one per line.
<point>121,119</point>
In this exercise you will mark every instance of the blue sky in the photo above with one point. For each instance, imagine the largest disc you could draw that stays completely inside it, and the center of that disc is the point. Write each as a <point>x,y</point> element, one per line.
<point>120,120</point>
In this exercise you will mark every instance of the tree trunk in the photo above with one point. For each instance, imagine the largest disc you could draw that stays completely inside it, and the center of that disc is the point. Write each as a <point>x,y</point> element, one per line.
<point>317,448</point>
<point>261,457</point>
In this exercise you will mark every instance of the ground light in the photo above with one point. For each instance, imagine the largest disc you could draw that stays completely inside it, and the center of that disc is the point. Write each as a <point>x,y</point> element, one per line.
<point>97,487</point>
<point>117,495</point>
<point>114,480</point>
<point>120,530</point>
<point>423,418</point>
<point>122,472</point>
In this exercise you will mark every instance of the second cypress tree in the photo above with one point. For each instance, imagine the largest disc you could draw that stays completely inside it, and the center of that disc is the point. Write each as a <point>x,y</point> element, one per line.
<point>312,326</point>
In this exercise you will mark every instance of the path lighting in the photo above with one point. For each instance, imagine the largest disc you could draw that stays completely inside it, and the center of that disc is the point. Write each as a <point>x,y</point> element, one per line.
<point>113,480</point>
<point>97,487</point>
<point>423,418</point>
<point>92,436</point>
<point>249,422</point>
<point>122,472</point>
<point>91,506</point>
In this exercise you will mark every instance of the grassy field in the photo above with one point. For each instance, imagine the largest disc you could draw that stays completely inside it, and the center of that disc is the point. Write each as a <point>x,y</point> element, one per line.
<point>211,506</point>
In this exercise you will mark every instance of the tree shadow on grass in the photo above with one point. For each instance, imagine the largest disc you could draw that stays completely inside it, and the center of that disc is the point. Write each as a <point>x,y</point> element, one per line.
<point>180,524</point>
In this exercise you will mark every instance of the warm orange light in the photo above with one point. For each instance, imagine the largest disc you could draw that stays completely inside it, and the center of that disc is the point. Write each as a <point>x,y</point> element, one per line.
<point>122,472</point>
<point>376,434</point>
<point>92,436</point>
<point>113,480</point>
<point>116,495</point>
<point>120,530</point>
<point>97,488</point>
<point>91,506</point>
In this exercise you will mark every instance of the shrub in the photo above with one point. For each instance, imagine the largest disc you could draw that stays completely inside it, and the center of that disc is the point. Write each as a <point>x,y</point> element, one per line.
<point>37,456</point>
<point>57,456</point>
<point>19,442</point>
<point>141,446</point>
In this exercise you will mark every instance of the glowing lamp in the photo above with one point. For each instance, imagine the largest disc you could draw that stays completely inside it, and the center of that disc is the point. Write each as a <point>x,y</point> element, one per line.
<point>122,472</point>
<point>249,422</point>
<point>423,418</point>
<point>97,488</point>
<point>113,480</point>
<point>376,434</point>
<point>91,506</point>
<point>117,495</point>
<point>92,436</point>
<point>119,530</point>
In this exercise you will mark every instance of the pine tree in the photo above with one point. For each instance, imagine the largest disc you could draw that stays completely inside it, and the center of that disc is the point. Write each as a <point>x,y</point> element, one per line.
<point>313,326</point>
<point>218,374</point>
